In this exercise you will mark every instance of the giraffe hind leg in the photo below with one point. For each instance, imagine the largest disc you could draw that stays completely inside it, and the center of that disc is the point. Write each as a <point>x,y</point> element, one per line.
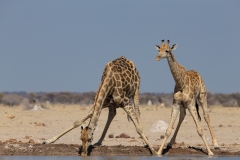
<point>137,111</point>
<point>193,112</point>
<point>203,102</point>
<point>130,111</point>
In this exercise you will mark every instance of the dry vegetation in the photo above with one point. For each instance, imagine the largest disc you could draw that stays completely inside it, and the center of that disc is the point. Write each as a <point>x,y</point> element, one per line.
<point>29,100</point>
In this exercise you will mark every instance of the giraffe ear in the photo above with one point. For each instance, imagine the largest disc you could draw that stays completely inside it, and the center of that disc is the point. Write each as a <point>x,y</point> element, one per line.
<point>174,47</point>
<point>157,47</point>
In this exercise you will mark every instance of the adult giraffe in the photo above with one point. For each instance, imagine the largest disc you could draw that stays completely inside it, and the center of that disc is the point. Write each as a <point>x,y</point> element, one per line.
<point>120,83</point>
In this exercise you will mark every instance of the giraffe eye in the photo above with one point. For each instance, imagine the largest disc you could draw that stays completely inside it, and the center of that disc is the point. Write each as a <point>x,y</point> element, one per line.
<point>167,51</point>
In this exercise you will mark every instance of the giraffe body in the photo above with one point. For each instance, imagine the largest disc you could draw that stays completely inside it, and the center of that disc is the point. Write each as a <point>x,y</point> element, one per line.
<point>119,84</point>
<point>189,91</point>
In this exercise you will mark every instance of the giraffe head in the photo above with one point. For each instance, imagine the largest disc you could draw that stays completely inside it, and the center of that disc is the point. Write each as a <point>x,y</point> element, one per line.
<point>86,137</point>
<point>165,51</point>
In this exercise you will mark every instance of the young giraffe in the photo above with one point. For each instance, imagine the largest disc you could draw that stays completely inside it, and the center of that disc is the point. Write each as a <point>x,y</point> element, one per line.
<point>189,91</point>
<point>120,83</point>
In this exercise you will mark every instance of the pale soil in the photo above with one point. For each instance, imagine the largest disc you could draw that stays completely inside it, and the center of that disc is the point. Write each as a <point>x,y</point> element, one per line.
<point>224,120</point>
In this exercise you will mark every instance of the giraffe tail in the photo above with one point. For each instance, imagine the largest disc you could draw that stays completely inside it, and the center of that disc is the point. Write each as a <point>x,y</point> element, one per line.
<point>197,107</point>
<point>128,118</point>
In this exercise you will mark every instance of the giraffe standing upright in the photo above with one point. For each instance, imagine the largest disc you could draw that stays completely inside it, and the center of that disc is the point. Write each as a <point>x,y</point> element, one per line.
<point>189,91</point>
<point>119,84</point>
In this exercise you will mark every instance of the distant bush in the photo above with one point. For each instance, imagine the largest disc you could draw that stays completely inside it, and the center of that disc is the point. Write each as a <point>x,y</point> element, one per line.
<point>1,97</point>
<point>11,100</point>
<point>232,100</point>
<point>87,98</point>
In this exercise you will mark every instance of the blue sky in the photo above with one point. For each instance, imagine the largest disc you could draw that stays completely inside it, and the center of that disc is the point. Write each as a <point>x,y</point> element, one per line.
<point>56,45</point>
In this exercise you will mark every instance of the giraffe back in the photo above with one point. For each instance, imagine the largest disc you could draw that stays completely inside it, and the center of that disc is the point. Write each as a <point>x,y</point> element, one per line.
<point>122,77</point>
<point>193,84</point>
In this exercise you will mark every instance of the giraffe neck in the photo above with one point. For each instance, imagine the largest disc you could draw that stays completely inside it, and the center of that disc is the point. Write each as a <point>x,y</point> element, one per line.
<point>101,95</point>
<point>178,72</point>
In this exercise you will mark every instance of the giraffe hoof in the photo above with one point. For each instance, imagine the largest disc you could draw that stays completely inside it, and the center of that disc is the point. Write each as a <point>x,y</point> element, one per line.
<point>154,153</point>
<point>169,145</point>
<point>83,154</point>
<point>146,146</point>
<point>159,154</point>
<point>210,154</point>
<point>217,148</point>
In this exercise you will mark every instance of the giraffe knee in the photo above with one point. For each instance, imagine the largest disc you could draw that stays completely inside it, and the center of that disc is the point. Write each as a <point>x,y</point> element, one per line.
<point>168,132</point>
<point>206,117</point>
<point>200,132</point>
<point>137,110</point>
<point>139,130</point>
<point>77,123</point>
<point>203,95</point>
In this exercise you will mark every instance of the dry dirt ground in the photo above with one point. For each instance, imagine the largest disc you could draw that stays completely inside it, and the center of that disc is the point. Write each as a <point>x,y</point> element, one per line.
<point>23,134</point>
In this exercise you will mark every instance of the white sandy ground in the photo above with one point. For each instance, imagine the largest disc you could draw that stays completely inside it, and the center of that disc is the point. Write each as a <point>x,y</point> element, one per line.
<point>224,120</point>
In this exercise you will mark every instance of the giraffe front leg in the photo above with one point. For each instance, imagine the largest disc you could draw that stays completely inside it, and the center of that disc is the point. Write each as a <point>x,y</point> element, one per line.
<point>129,110</point>
<point>111,115</point>
<point>193,112</point>
<point>175,111</point>
<point>75,125</point>
<point>181,118</point>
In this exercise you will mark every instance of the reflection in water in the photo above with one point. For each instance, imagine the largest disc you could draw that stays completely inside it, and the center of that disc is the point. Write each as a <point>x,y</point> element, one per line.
<point>117,158</point>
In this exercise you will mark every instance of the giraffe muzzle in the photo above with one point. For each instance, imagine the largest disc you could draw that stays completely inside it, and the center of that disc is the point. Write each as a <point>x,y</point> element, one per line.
<point>83,154</point>
<point>158,58</point>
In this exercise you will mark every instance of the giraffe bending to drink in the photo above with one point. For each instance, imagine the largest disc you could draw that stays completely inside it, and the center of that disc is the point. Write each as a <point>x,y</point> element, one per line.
<point>120,83</point>
<point>189,91</point>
